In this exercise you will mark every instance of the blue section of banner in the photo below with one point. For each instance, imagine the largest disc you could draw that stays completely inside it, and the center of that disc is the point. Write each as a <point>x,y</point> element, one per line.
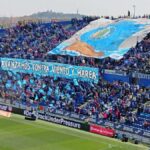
<point>50,69</point>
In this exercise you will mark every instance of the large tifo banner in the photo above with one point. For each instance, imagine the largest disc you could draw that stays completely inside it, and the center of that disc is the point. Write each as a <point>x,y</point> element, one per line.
<point>105,38</point>
<point>50,69</point>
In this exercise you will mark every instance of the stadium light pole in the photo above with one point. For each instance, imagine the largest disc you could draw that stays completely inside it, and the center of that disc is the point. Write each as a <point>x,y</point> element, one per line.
<point>134,11</point>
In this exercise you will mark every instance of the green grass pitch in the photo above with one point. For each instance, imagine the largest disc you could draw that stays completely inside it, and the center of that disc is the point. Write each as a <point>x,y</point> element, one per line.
<point>16,133</point>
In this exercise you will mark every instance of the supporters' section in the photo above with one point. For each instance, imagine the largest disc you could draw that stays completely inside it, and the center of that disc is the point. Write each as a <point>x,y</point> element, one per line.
<point>50,69</point>
<point>103,38</point>
<point>116,102</point>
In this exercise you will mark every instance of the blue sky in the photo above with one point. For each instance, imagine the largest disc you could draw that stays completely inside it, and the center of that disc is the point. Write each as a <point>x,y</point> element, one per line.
<point>88,7</point>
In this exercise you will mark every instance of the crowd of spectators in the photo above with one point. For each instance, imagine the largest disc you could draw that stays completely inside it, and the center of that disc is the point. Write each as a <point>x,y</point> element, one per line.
<point>116,102</point>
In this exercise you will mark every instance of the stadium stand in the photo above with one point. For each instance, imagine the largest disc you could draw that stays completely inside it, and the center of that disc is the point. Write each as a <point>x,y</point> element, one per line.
<point>119,102</point>
<point>115,102</point>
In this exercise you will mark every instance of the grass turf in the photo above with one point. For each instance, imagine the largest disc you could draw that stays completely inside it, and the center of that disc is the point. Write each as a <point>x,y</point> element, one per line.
<point>16,133</point>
